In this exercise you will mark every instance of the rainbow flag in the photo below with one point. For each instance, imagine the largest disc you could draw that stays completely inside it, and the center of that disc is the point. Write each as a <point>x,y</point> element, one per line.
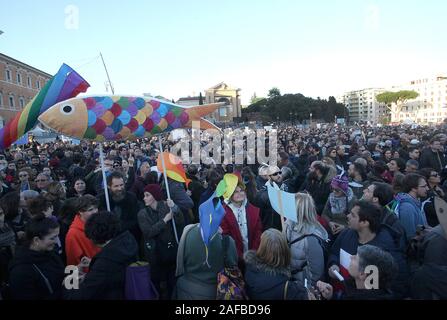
<point>66,84</point>
<point>174,167</point>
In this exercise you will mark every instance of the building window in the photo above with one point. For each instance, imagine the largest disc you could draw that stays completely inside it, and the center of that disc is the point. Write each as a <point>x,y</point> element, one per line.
<point>11,102</point>
<point>38,84</point>
<point>19,78</point>
<point>223,111</point>
<point>22,102</point>
<point>29,82</point>
<point>1,100</point>
<point>8,75</point>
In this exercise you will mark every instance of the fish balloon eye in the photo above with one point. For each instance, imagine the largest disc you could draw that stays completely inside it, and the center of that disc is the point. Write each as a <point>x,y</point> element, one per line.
<point>67,109</point>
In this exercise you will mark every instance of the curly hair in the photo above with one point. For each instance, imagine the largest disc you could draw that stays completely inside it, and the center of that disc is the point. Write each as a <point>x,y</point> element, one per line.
<point>102,227</point>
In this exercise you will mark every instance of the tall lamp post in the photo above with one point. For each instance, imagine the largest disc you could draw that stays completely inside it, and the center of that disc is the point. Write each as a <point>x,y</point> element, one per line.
<point>277,121</point>
<point>311,119</point>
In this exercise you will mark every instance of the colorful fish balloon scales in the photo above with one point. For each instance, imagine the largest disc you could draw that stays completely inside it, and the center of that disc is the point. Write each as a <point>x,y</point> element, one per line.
<point>106,118</point>
<point>66,84</point>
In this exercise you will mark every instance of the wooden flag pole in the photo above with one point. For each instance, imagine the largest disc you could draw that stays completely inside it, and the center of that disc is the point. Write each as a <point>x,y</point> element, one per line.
<point>167,186</point>
<point>104,178</point>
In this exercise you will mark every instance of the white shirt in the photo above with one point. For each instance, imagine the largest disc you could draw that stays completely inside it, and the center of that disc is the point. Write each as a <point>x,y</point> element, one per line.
<point>241,218</point>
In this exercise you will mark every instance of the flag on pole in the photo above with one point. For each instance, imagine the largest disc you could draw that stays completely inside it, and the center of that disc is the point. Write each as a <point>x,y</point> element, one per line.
<point>211,214</point>
<point>282,202</point>
<point>174,167</point>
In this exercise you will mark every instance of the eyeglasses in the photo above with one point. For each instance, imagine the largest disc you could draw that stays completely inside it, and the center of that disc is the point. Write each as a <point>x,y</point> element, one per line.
<point>434,175</point>
<point>424,186</point>
<point>41,180</point>
<point>275,174</point>
<point>23,175</point>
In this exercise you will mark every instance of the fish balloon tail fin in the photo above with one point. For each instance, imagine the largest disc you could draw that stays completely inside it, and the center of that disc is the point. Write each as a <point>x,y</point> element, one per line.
<point>203,110</point>
<point>197,112</point>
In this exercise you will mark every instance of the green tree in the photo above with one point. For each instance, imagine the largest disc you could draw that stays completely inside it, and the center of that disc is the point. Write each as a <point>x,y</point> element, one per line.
<point>397,99</point>
<point>274,93</point>
<point>255,98</point>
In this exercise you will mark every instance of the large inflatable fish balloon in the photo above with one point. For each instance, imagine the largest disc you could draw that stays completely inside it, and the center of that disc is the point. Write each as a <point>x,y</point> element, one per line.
<point>108,118</point>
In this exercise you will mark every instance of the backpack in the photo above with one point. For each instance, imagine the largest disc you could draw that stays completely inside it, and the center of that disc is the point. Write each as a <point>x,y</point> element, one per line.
<point>325,245</point>
<point>138,284</point>
<point>391,222</point>
<point>230,282</point>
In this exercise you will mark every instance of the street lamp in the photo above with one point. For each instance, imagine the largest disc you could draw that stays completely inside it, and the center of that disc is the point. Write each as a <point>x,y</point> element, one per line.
<point>311,119</point>
<point>277,120</point>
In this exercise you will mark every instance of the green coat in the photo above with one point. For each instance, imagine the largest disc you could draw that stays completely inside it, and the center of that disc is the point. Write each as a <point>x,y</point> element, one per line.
<point>195,279</point>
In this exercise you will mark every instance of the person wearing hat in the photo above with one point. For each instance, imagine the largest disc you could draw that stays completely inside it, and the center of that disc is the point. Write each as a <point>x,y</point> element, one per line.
<point>337,206</point>
<point>269,218</point>
<point>160,246</point>
<point>262,177</point>
<point>241,220</point>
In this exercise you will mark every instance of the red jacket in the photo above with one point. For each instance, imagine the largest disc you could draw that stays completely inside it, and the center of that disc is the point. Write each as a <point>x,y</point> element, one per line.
<point>77,245</point>
<point>230,227</point>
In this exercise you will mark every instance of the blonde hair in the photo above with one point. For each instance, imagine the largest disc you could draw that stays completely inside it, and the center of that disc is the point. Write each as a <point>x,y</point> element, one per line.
<point>306,213</point>
<point>273,249</point>
<point>328,161</point>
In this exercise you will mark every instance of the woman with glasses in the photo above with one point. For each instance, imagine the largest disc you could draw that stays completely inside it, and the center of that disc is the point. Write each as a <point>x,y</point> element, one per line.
<point>25,178</point>
<point>433,181</point>
<point>242,220</point>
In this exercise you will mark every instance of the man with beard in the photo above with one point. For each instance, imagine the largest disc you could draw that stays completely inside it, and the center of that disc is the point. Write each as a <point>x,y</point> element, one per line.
<point>357,179</point>
<point>123,204</point>
<point>318,183</point>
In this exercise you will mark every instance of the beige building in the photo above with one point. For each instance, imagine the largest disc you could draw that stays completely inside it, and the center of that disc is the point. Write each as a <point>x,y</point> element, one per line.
<point>363,106</point>
<point>19,83</point>
<point>430,107</point>
<point>189,101</point>
<point>228,95</point>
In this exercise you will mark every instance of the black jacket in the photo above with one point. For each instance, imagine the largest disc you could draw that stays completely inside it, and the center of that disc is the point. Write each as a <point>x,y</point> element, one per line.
<point>196,189</point>
<point>127,211</point>
<point>107,275</point>
<point>430,159</point>
<point>267,283</point>
<point>269,217</point>
<point>36,275</point>
<point>319,190</point>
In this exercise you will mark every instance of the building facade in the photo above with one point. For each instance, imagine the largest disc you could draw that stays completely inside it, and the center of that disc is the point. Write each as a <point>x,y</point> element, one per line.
<point>19,83</point>
<point>228,95</point>
<point>430,107</point>
<point>189,101</point>
<point>363,106</point>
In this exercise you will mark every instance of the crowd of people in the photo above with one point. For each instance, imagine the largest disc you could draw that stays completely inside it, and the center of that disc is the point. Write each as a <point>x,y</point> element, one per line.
<point>374,193</point>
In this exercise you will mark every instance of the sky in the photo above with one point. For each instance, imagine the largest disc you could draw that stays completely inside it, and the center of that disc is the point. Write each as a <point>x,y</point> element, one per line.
<point>178,48</point>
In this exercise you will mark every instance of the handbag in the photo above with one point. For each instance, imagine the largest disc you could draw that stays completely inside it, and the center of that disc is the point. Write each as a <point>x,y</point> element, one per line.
<point>138,285</point>
<point>230,282</point>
